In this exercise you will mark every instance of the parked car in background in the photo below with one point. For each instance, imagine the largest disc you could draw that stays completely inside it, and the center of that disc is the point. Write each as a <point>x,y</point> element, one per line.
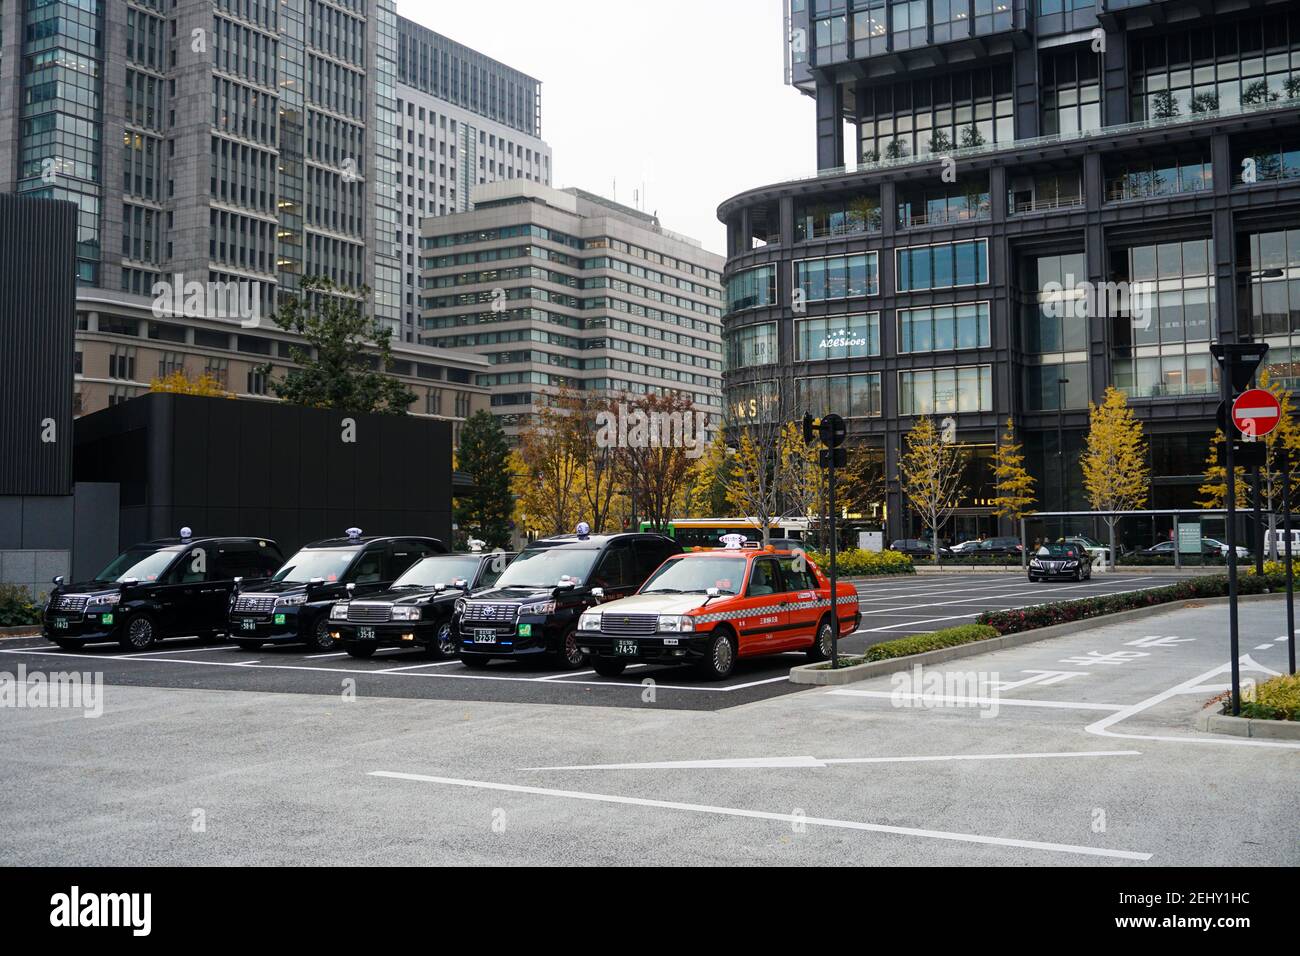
<point>997,547</point>
<point>1243,553</point>
<point>534,607</point>
<point>416,611</point>
<point>1060,562</point>
<point>1166,549</point>
<point>917,548</point>
<point>293,607</point>
<point>172,587</point>
<point>1094,548</point>
<point>711,608</point>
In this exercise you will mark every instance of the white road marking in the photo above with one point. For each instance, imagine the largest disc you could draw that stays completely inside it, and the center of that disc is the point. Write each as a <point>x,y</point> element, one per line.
<point>415,667</point>
<point>1262,647</point>
<point>777,817</point>
<point>820,763</point>
<point>940,700</point>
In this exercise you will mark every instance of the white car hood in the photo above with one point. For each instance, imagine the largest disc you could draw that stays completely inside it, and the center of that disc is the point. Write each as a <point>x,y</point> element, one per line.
<point>655,604</point>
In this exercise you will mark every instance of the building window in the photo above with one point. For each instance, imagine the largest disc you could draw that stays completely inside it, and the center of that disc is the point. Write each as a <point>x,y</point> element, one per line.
<point>837,337</point>
<point>1269,162</point>
<point>831,35</point>
<point>1159,176</point>
<point>837,277</point>
<point>218,370</point>
<point>943,266</point>
<point>870,28</point>
<point>934,115</point>
<point>752,289</point>
<point>751,345</point>
<point>837,216</point>
<point>1177,300</point>
<point>1070,92</point>
<point>908,23</point>
<point>1270,282</point>
<point>1167,376</point>
<point>257,381</point>
<point>853,396</point>
<point>121,363</point>
<point>944,328</point>
<point>939,391</point>
<point>967,201</point>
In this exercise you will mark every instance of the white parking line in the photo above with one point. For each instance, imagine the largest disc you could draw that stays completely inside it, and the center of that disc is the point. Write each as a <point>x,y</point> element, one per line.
<point>940,700</point>
<point>819,763</point>
<point>776,817</point>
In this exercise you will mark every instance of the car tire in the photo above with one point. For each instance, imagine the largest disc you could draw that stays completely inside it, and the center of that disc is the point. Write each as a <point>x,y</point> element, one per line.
<point>139,633</point>
<point>475,662</point>
<point>568,655</point>
<point>444,643</point>
<point>821,646</point>
<point>321,640</point>
<point>1032,579</point>
<point>362,653</point>
<point>719,657</point>
<point>249,645</point>
<point>608,668</point>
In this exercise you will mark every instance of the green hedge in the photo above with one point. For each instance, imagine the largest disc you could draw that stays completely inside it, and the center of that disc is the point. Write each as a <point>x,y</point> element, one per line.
<point>920,643</point>
<point>1275,699</point>
<point>1063,612</point>
<point>975,561</point>
<point>855,563</point>
<point>17,607</point>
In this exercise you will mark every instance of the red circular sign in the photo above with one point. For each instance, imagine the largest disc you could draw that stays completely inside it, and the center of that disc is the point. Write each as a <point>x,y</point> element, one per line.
<point>1256,412</point>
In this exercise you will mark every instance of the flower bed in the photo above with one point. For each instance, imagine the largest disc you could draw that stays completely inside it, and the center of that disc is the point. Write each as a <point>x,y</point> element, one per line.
<point>1277,698</point>
<point>920,643</point>
<point>855,563</point>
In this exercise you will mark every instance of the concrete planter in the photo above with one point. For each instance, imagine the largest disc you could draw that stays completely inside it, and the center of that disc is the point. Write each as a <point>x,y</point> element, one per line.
<point>811,674</point>
<point>1212,720</point>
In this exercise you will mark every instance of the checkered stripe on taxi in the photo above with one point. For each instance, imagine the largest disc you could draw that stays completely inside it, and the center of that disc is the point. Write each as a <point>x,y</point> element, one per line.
<point>716,616</point>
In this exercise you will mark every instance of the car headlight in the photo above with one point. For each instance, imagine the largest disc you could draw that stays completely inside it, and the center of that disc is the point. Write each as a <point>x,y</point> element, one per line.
<point>339,612</point>
<point>291,600</point>
<point>459,607</point>
<point>675,623</point>
<point>1035,563</point>
<point>589,621</point>
<point>406,614</point>
<point>1071,564</point>
<point>540,609</point>
<point>104,599</point>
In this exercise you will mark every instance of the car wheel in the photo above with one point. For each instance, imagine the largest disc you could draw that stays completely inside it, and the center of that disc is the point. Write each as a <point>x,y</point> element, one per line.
<point>608,668</point>
<point>249,645</point>
<point>821,647</point>
<point>720,657</point>
<point>569,655</point>
<point>140,633</point>
<point>321,638</point>
<point>1032,579</point>
<point>475,662</point>
<point>444,645</point>
<point>361,653</point>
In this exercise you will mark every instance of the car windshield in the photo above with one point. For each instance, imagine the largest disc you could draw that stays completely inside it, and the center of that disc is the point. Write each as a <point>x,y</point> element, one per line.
<point>1058,551</point>
<point>697,575</point>
<point>142,564</point>
<point>548,568</point>
<point>443,569</point>
<point>329,564</point>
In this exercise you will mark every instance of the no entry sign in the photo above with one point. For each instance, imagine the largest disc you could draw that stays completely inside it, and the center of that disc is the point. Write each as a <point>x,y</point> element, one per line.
<point>1255,413</point>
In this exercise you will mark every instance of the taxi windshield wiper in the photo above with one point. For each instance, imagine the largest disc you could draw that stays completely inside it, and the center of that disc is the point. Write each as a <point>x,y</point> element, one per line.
<point>666,591</point>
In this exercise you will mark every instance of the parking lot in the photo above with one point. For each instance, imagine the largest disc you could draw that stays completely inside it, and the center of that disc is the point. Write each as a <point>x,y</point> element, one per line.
<point>892,607</point>
<point>1074,751</point>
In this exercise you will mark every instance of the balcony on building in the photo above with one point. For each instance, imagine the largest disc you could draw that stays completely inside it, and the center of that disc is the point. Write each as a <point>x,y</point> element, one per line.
<point>945,204</point>
<point>1185,171</point>
<point>1044,188</point>
<point>837,215</point>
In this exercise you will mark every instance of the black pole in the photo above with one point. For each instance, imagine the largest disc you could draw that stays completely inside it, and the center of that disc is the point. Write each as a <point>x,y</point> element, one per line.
<point>1232,559</point>
<point>835,597</point>
<point>1286,529</point>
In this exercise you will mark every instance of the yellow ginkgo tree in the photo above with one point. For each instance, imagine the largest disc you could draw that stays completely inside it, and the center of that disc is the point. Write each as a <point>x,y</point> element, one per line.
<point>932,471</point>
<point>1116,475</point>
<point>1013,496</point>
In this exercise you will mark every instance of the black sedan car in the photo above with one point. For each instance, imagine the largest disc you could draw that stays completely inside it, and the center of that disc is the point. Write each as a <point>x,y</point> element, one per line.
<point>416,611</point>
<point>293,607</point>
<point>1058,562</point>
<point>917,548</point>
<point>171,587</point>
<point>533,609</point>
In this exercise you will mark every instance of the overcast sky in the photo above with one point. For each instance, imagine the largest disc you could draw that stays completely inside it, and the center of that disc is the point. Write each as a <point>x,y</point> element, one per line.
<point>688,96</point>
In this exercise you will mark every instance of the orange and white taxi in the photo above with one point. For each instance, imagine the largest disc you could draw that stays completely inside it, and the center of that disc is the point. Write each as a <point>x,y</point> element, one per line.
<point>712,608</point>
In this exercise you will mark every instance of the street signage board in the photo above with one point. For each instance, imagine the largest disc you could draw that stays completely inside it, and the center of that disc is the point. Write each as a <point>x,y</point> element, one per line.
<point>1256,412</point>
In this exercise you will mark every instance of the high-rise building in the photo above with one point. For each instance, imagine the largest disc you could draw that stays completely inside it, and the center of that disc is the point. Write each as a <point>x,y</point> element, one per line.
<point>463,120</point>
<point>1009,161</point>
<point>229,146</point>
<point>565,289</point>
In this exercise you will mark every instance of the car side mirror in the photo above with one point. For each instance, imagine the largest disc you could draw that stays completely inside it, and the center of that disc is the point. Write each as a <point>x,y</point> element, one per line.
<point>713,592</point>
<point>351,587</point>
<point>439,588</point>
<point>598,593</point>
<point>58,581</point>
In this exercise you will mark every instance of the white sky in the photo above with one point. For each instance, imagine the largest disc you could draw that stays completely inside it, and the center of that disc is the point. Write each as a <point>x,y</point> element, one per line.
<point>685,95</point>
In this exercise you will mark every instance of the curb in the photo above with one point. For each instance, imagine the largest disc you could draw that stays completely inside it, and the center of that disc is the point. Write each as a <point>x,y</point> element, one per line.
<point>810,674</point>
<point>1017,569</point>
<point>1213,721</point>
<point>31,630</point>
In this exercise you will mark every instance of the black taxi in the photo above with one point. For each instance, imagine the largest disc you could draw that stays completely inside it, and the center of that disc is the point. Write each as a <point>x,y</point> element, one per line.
<point>293,606</point>
<point>171,587</point>
<point>416,611</point>
<point>534,607</point>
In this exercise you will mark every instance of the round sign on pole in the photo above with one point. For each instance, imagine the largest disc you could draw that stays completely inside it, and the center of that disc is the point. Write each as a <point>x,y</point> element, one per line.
<point>1256,412</point>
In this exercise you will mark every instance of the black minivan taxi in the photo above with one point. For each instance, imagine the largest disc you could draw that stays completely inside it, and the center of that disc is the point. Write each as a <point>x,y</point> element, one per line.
<point>171,587</point>
<point>416,611</point>
<point>293,606</point>
<point>534,608</point>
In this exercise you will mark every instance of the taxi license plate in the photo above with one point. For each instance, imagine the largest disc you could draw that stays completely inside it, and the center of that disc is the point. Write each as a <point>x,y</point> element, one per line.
<point>60,623</point>
<point>626,649</point>
<point>248,624</point>
<point>365,634</point>
<point>483,635</point>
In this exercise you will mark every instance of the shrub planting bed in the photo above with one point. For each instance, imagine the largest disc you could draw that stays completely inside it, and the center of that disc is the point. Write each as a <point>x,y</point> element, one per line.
<point>864,564</point>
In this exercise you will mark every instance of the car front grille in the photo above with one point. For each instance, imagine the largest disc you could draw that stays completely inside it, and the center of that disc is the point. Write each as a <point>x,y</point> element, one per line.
<point>72,603</point>
<point>629,625</point>
<point>490,613</point>
<point>258,604</point>
<point>369,613</point>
